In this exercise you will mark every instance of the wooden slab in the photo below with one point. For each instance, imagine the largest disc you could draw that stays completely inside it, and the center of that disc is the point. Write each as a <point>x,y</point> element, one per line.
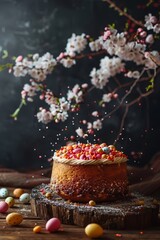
<point>136,212</point>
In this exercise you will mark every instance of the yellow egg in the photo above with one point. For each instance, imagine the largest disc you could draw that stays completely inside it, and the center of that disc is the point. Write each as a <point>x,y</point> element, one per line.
<point>112,147</point>
<point>14,219</point>
<point>37,229</point>
<point>93,230</point>
<point>92,203</point>
<point>18,192</point>
<point>10,201</point>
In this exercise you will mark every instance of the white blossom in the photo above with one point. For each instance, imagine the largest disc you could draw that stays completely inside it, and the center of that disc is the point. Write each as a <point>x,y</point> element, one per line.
<point>37,67</point>
<point>67,62</point>
<point>150,39</point>
<point>107,97</point>
<point>109,67</point>
<point>133,74</point>
<point>95,114</point>
<point>156,28</point>
<point>76,44</point>
<point>79,132</point>
<point>44,116</point>
<point>97,124</point>
<point>96,45</point>
<point>75,94</point>
<point>150,20</point>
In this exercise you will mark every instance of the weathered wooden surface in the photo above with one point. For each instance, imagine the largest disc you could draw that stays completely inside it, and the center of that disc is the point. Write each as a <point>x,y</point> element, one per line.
<point>24,230</point>
<point>134,212</point>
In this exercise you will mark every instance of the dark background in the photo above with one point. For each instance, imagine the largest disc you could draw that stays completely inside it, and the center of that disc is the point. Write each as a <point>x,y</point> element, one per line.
<point>30,26</point>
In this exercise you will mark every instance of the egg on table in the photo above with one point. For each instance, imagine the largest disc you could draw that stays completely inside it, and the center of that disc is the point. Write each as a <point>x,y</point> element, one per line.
<point>93,230</point>
<point>24,198</point>
<point>14,219</point>
<point>3,192</point>
<point>53,224</point>
<point>10,201</point>
<point>3,207</point>
<point>18,192</point>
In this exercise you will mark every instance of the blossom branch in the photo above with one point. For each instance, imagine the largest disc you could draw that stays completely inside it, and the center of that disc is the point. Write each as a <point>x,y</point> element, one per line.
<point>127,106</point>
<point>112,4</point>
<point>125,96</point>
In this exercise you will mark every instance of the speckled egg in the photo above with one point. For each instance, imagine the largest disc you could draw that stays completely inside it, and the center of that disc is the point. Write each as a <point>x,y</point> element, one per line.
<point>18,192</point>
<point>3,207</point>
<point>10,201</point>
<point>93,230</point>
<point>53,224</point>
<point>25,198</point>
<point>14,219</point>
<point>106,149</point>
<point>3,192</point>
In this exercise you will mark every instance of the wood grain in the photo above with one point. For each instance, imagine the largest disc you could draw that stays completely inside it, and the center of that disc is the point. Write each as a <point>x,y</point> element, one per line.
<point>24,230</point>
<point>134,212</point>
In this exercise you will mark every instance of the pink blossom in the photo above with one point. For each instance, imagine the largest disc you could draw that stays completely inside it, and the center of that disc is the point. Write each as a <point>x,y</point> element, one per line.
<point>19,58</point>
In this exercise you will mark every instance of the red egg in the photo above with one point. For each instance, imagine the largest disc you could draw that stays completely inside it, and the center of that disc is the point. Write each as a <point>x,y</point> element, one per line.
<point>53,224</point>
<point>3,207</point>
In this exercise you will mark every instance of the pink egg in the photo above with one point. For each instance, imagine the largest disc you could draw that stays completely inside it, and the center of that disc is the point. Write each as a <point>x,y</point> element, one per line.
<point>53,224</point>
<point>3,207</point>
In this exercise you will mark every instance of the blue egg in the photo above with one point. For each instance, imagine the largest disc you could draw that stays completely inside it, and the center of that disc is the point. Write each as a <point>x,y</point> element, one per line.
<point>3,192</point>
<point>24,198</point>
<point>106,149</point>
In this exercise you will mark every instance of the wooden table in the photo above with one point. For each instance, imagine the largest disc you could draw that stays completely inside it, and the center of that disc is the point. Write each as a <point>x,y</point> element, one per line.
<point>25,230</point>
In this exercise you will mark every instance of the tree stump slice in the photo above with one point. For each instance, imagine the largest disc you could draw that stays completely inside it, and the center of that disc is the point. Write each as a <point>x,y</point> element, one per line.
<point>135,212</point>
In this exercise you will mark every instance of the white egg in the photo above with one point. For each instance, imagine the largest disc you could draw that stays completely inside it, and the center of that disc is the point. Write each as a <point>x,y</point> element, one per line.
<point>25,198</point>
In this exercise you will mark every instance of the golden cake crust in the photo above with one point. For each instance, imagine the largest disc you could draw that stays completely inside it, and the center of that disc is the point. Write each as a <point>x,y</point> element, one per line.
<point>85,182</point>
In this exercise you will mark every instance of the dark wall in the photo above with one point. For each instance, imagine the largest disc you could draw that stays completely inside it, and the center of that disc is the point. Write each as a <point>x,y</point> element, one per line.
<point>30,26</point>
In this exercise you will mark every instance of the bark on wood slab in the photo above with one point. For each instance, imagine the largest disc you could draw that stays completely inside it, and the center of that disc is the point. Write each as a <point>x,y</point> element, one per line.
<point>130,213</point>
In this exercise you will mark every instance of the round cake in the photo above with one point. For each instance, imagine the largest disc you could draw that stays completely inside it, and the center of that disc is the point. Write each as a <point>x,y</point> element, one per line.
<point>83,172</point>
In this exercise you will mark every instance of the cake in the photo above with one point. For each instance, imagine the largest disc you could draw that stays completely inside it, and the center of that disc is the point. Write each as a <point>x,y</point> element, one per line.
<point>83,172</point>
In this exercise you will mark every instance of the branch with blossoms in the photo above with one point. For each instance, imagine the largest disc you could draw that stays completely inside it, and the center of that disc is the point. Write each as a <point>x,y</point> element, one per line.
<point>127,59</point>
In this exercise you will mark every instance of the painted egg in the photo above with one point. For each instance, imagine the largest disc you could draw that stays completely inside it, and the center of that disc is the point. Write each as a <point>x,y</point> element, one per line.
<point>112,147</point>
<point>93,230</point>
<point>92,203</point>
<point>37,229</point>
<point>14,219</point>
<point>106,149</point>
<point>53,224</point>
<point>10,201</point>
<point>3,207</point>
<point>18,192</point>
<point>25,198</point>
<point>3,192</point>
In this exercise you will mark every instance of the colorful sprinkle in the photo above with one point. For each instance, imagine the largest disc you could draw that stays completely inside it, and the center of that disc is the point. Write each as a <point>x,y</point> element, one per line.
<point>89,151</point>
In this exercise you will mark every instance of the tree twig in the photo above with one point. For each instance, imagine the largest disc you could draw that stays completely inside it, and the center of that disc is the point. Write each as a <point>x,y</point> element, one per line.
<point>112,4</point>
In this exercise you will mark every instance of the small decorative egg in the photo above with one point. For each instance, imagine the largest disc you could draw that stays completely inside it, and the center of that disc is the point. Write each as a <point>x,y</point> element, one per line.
<point>48,195</point>
<point>53,224</point>
<point>25,198</point>
<point>92,203</point>
<point>37,229</point>
<point>93,230</point>
<point>3,207</point>
<point>18,192</point>
<point>112,147</point>
<point>10,201</point>
<point>106,149</point>
<point>3,192</point>
<point>14,219</point>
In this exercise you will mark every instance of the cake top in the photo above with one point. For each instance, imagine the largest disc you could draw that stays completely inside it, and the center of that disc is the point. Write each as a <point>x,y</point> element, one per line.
<point>90,152</point>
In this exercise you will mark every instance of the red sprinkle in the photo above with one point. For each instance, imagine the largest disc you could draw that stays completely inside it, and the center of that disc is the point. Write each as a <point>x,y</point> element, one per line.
<point>118,235</point>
